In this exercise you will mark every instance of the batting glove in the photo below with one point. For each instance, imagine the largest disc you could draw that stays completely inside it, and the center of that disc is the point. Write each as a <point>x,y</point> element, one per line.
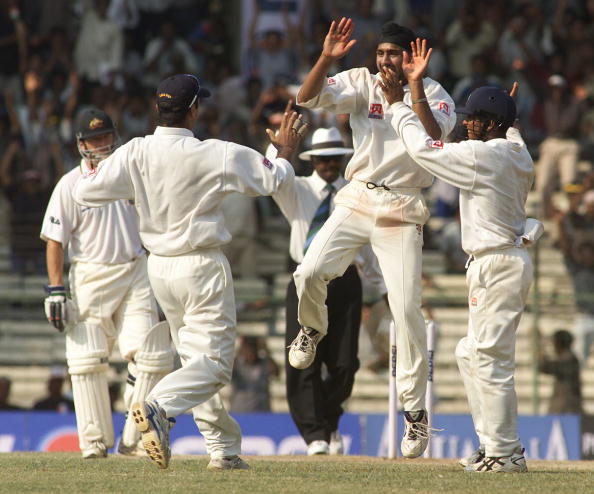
<point>59,309</point>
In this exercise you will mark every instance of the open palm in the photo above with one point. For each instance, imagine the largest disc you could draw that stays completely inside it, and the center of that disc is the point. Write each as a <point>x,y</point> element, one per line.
<point>338,41</point>
<point>415,65</point>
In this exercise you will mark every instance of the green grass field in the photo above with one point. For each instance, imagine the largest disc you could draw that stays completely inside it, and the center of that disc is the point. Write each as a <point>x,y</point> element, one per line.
<point>67,473</point>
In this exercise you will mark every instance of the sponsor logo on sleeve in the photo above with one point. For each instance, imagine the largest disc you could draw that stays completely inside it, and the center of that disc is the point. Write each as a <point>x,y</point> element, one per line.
<point>376,110</point>
<point>474,301</point>
<point>435,144</point>
<point>331,81</point>
<point>54,220</point>
<point>444,107</point>
<point>267,163</point>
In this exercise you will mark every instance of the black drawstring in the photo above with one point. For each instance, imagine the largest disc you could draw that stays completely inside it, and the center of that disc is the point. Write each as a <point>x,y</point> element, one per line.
<point>371,185</point>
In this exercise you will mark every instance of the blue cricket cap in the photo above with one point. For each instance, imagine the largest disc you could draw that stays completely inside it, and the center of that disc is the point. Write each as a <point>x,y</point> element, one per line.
<point>180,92</point>
<point>491,102</point>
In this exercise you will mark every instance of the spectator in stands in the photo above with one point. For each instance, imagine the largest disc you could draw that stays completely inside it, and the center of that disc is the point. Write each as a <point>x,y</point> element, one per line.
<point>55,399</point>
<point>468,36</point>
<point>367,27</point>
<point>13,46</point>
<point>519,44</point>
<point>252,371</point>
<point>268,112</point>
<point>167,54</point>
<point>572,221</point>
<point>579,260</point>
<point>270,54</point>
<point>481,74</point>
<point>99,50</point>
<point>565,367</point>
<point>5,385</point>
<point>559,150</point>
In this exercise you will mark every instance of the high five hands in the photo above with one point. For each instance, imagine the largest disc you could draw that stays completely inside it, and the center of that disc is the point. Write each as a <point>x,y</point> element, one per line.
<point>414,66</point>
<point>289,135</point>
<point>338,41</point>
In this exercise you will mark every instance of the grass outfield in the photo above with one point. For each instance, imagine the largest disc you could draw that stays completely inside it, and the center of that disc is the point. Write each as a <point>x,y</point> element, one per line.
<point>67,473</point>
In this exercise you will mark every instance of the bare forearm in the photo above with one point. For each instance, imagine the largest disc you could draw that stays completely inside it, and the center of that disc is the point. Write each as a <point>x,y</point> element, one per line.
<point>55,262</point>
<point>286,152</point>
<point>315,79</point>
<point>421,107</point>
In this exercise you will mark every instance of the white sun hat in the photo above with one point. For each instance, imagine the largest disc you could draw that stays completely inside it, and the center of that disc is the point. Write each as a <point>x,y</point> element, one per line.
<point>326,142</point>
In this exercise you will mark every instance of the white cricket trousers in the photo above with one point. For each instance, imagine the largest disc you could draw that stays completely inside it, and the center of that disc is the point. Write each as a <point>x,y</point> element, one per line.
<point>392,222</point>
<point>195,292</point>
<point>498,285</point>
<point>118,299</point>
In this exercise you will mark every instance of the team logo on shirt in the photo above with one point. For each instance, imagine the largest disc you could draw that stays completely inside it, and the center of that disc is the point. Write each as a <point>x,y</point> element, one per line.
<point>436,144</point>
<point>267,163</point>
<point>331,81</point>
<point>376,110</point>
<point>474,301</point>
<point>444,107</point>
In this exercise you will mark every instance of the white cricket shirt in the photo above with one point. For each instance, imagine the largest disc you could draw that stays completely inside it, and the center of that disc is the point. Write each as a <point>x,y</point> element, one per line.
<point>177,183</point>
<point>380,156</point>
<point>106,235</point>
<point>299,203</point>
<point>494,178</point>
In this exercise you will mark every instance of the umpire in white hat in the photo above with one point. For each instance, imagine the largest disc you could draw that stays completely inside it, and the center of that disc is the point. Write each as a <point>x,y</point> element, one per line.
<point>315,401</point>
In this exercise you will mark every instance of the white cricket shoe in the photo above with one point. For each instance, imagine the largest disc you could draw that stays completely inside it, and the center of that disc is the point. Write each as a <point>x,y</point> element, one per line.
<point>516,463</point>
<point>318,448</point>
<point>478,455</point>
<point>133,450</point>
<point>302,351</point>
<point>416,434</point>
<point>227,463</point>
<point>96,450</point>
<point>336,446</point>
<point>151,422</point>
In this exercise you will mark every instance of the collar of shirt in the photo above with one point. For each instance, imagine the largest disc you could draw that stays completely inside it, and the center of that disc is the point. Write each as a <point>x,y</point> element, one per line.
<point>319,183</point>
<point>84,166</point>
<point>173,131</point>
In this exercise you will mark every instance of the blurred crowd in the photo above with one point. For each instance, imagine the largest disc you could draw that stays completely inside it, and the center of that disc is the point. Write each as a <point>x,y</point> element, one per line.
<point>59,57</point>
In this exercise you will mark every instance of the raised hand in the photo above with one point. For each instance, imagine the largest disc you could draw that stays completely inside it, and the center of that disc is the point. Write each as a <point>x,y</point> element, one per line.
<point>415,65</point>
<point>291,131</point>
<point>514,90</point>
<point>391,85</point>
<point>338,41</point>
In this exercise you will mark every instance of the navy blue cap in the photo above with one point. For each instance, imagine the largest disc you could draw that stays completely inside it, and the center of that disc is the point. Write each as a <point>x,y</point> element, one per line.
<point>491,102</point>
<point>180,92</point>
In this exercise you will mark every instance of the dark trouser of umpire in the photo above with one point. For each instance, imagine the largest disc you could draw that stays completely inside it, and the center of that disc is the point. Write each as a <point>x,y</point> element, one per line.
<point>315,402</point>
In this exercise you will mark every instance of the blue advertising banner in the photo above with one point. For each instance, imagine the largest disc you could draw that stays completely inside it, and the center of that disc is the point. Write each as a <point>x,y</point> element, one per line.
<point>263,434</point>
<point>549,437</point>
